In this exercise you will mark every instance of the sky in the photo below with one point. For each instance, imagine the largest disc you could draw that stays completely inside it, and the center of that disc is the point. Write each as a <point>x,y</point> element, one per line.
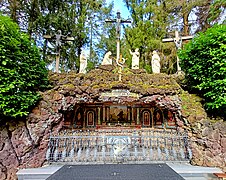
<point>120,5</point>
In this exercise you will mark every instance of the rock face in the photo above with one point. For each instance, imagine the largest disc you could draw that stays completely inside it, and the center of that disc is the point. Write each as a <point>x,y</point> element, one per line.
<point>23,143</point>
<point>207,136</point>
<point>209,143</point>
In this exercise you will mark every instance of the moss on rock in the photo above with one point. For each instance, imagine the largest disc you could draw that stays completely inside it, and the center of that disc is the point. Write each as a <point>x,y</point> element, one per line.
<point>139,82</point>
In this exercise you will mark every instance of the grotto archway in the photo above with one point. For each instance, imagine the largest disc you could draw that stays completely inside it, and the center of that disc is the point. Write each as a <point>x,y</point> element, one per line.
<point>121,108</point>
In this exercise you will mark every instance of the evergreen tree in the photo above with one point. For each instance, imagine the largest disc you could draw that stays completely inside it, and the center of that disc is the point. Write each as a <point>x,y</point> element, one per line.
<point>40,17</point>
<point>150,22</point>
<point>155,19</point>
<point>208,13</point>
<point>103,34</point>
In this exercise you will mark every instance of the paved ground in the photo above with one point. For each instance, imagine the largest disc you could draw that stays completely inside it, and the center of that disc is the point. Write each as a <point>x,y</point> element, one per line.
<point>116,171</point>
<point>186,170</point>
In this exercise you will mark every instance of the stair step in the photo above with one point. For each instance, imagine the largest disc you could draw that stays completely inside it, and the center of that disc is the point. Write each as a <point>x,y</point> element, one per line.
<point>221,175</point>
<point>199,176</point>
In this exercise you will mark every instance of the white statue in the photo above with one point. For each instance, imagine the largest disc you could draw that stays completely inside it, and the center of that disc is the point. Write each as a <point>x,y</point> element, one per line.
<point>83,63</point>
<point>107,60</point>
<point>155,62</point>
<point>135,58</point>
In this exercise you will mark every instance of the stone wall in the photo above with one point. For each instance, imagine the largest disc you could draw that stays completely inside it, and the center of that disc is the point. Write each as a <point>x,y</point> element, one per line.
<point>209,144</point>
<point>23,144</point>
<point>207,136</point>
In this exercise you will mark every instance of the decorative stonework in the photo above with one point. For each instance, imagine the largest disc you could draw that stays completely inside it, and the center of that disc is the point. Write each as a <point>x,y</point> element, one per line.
<point>119,93</point>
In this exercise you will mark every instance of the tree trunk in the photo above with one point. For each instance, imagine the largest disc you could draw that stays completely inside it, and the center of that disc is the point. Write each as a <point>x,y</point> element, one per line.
<point>13,5</point>
<point>186,25</point>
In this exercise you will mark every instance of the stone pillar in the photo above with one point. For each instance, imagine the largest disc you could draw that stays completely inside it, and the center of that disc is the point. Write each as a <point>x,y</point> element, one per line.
<point>152,118</point>
<point>104,114</point>
<point>99,121</point>
<point>128,114</point>
<point>108,113</point>
<point>133,121</point>
<point>138,116</point>
<point>84,119</point>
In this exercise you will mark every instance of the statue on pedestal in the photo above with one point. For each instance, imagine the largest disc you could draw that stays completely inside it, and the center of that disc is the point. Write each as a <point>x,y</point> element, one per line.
<point>83,63</point>
<point>135,58</point>
<point>107,60</point>
<point>155,62</point>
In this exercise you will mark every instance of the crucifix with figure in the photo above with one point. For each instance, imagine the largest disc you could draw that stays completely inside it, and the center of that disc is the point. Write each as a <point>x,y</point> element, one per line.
<point>119,22</point>
<point>59,38</point>
<point>178,42</point>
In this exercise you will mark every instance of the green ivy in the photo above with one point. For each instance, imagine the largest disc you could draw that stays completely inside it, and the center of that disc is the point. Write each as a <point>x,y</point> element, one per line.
<point>22,71</point>
<point>204,61</point>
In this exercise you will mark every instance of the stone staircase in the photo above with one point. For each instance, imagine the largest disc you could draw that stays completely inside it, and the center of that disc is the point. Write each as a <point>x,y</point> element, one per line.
<point>189,172</point>
<point>41,173</point>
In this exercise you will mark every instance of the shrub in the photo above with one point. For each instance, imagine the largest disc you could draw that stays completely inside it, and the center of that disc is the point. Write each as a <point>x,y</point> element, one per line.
<point>204,61</point>
<point>22,71</point>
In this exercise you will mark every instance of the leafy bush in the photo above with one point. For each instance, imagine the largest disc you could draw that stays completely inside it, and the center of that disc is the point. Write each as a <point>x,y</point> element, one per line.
<point>22,72</point>
<point>204,61</point>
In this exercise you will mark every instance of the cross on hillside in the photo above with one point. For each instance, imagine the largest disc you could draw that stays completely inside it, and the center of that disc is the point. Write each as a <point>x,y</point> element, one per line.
<point>59,39</point>
<point>178,42</point>
<point>119,22</point>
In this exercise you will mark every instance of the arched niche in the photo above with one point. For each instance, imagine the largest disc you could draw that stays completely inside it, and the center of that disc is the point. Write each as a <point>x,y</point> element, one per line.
<point>146,118</point>
<point>158,118</point>
<point>68,118</point>
<point>170,119</point>
<point>79,118</point>
<point>90,118</point>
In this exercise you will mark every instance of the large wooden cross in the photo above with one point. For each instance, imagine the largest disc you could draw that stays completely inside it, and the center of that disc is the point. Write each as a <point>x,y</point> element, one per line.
<point>119,22</point>
<point>178,42</point>
<point>59,39</point>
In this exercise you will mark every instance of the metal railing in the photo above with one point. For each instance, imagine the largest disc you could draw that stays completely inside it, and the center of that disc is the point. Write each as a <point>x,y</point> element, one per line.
<point>119,146</point>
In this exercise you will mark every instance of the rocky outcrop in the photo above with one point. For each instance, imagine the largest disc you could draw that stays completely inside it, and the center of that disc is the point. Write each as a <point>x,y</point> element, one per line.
<point>23,143</point>
<point>207,136</point>
<point>209,143</point>
<point>99,80</point>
